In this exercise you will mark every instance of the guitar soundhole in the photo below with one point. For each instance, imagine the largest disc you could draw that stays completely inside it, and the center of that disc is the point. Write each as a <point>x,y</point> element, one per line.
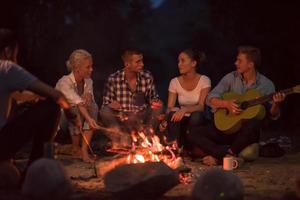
<point>227,112</point>
<point>244,105</point>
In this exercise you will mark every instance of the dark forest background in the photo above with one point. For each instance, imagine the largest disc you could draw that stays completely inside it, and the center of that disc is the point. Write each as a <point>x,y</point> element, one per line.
<point>49,30</point>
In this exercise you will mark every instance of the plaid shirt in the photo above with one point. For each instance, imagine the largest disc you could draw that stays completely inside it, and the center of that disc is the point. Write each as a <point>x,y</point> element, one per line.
<point>117,89</point>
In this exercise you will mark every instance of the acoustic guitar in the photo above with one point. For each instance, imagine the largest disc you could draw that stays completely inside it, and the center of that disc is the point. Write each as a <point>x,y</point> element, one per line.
<point>251,105</point>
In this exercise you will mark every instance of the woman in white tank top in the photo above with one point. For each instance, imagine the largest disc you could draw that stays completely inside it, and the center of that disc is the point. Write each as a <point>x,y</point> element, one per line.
<point>190,90</point>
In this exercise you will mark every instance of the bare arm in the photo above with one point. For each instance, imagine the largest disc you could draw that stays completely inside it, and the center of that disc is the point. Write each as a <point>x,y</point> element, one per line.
<point>45,90</point>
<point>24,96</point>
<point>171,101</point>
<point>83,111</point>
<point>275,109</point>
<point>200,105</point>
<point>178,115</point>
<point>21,97</point>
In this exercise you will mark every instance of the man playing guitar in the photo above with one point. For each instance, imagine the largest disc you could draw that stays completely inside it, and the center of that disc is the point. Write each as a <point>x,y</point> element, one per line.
<point>244,78</point>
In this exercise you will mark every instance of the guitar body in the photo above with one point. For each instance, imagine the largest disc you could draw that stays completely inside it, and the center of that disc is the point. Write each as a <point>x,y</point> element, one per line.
<point>230,123</point>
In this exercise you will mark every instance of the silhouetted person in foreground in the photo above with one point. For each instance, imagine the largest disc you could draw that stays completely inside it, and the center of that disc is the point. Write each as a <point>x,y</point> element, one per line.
<point>217,184</point>
<point>37,123</point>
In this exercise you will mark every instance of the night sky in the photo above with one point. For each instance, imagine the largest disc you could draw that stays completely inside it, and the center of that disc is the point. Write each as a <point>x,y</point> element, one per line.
<point>50,30</point>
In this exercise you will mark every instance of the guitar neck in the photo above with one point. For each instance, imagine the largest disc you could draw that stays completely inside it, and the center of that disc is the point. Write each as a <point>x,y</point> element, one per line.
<point>264,99</point>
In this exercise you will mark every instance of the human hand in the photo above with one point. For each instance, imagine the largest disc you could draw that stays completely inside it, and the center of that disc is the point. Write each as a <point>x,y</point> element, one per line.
<point>115,105</point>
<point>161,117</point>
<point>63,103</point>
<point>93,124</point>
<point>156,104</point>
<point>178,115</point>
<point>233,107</point>
<point>163,126</point>
<point>278,97</point>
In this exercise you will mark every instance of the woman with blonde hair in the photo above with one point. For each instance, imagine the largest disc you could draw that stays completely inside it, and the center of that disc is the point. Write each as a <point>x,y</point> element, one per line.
<point>78,89</point>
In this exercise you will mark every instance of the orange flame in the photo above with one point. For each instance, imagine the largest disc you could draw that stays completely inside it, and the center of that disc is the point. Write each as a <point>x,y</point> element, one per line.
<point>140,158</point>
<point>155,150</point>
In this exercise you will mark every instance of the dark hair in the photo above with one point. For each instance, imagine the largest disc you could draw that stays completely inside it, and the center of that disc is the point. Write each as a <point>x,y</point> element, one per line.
<point>7,39</point>
<point>129,52</point>
<point>252,53</point>
<point>195,55</point>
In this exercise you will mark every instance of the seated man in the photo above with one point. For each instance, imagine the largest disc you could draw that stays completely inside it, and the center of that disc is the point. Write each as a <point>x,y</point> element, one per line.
<point>130,96</point>
<point>246,77</point>
<point>78,89</point>
<point>38,122</point>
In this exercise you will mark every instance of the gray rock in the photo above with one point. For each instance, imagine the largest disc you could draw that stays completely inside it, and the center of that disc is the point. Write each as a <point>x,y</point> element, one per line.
<point>217,184</point>
<point>105,165</point>
<point>141,180</point>
<point>9,175</point>
<point>46,179</point>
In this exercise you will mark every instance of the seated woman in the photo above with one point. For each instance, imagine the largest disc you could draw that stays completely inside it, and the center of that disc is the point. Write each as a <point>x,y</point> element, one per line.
<point>191,89</point>
<point>78,89</point>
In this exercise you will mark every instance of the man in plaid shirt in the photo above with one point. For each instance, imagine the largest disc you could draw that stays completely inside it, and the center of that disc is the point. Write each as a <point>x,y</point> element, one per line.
<point>130,98</point>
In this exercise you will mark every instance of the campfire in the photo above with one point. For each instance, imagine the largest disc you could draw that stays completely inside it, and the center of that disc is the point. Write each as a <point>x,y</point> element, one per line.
<point>144,146</point>
<point>144,167</point>
<point>147,147</point>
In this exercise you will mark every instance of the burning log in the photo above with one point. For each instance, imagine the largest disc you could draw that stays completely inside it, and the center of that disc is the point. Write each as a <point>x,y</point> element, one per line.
<point>142,151</point>
<point>145,147</point>
<point>141,180</point>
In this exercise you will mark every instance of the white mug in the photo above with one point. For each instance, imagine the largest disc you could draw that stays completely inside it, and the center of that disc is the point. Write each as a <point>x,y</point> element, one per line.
<point>229,163</point>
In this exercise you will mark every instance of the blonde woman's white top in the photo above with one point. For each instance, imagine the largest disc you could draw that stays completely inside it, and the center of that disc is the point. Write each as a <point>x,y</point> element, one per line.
<point>68,86</point>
